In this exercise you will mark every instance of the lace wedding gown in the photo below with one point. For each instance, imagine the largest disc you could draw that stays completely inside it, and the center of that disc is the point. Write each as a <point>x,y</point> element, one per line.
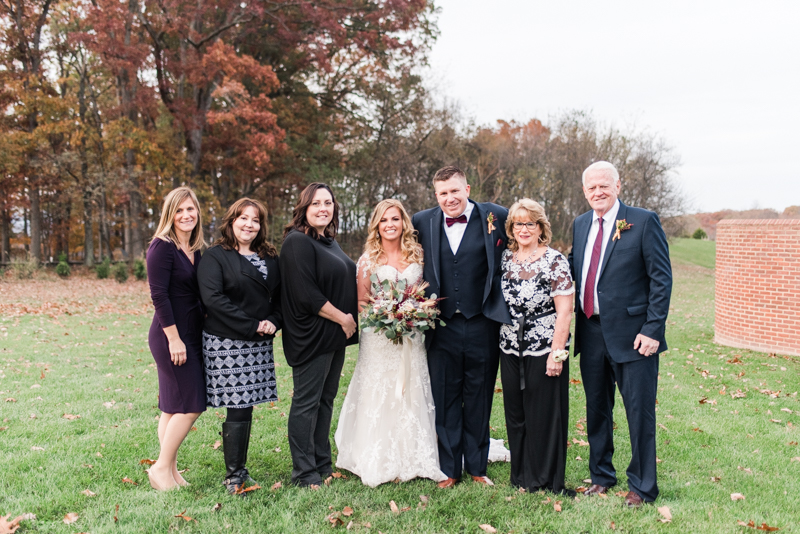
<point>381,437</point>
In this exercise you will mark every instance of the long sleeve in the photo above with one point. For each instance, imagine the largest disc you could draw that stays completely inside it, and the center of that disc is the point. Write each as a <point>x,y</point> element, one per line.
<point>298,264</point>
<point>160,259</point>
<point>210,278</point>
<point>659,272</point>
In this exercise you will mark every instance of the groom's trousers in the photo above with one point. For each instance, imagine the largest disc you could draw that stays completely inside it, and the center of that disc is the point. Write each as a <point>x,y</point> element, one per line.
<point>463,359</point>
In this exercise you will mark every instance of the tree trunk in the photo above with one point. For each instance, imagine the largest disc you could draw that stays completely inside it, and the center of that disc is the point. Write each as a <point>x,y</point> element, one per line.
<point>104,237</point>
<point>36,223</point>
<point>88,230</point>
<point>5,236</point>
<point>126,233</point>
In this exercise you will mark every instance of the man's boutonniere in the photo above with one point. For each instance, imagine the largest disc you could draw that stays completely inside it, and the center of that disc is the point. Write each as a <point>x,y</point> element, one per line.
<point>622,225</point>
<point>491,219</point>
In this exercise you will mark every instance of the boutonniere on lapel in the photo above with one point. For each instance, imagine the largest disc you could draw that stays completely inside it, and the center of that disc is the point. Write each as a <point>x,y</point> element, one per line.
<point>491,219</point>
<point>622,225</point>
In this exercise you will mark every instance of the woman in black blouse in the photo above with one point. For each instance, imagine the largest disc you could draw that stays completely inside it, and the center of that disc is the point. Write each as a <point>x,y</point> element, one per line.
<point>240,286</point>
<point>319,301</point>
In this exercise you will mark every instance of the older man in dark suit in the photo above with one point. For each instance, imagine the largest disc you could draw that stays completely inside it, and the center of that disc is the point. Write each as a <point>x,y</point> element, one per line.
<point>463,242</point>
<point>620,263</point>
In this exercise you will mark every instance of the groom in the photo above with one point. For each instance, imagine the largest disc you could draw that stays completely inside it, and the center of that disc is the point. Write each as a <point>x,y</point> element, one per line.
<point>463,242</point>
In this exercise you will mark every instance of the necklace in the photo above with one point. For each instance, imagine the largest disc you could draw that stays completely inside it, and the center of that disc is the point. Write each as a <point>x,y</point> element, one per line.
<point>527,258</point>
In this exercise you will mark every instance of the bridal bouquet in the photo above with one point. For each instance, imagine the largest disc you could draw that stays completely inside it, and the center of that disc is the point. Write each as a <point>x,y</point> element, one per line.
<point>399,309</point>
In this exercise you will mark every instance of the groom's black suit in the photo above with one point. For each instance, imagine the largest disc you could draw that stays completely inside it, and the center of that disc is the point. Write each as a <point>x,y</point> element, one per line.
<point>463,355</point>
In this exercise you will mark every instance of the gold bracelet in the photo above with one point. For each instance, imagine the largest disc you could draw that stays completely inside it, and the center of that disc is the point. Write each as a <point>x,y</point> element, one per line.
<point>560,355</point>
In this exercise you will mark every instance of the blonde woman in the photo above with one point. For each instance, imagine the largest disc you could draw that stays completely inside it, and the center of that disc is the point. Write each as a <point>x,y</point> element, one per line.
<point>538,288</point>
<point>381,437</point>
<point>176,333</point>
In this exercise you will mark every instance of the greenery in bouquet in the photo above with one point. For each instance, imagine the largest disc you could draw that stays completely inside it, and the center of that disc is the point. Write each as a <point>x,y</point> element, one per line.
<point>399,309</point>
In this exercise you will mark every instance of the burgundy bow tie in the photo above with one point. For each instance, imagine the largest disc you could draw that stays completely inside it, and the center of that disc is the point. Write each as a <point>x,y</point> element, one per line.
<point>460,219</point>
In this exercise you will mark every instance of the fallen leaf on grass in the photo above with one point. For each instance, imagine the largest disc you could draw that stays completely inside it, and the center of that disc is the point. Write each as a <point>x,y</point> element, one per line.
<point>185,517</point>
<point>738,395</point>
<point>621,494</point>
<point>88,493</point>
<point>662,427</point>
<point>581,489</point>
<point>557,506</point>
<point>774,420</point>
<point>35,448</point>
<point>334,519</point>
<point>796,459</point>
<point>498,390</point>
<point>337,474</point>
<point>705,400</point>
<point>28,517</point>
<point>574,381</point>
<point>488,528</point>
<point>612,526</point>
<point>787,410</point>
<point>116,511</point>
<point>241,489</point>
<point>752,524</point>
<point>347,511</point>
<point>580,442</point>
<point>277,485</point>
<point>217,444</point>
<point>11,399</point>
<point>146,461</point>
<point>745,469</point>
<point>109,404</point>
<point>216,507</point>
<point>70,518</point>
<point>3,428</point>
<point>737,497</point>
<point>423,498</point>
<point>394,507</point>
<point>129,481</point>
<point>664,511</point>
<point>9,527</point>
<point>696,429</point>
<point>715,479</point>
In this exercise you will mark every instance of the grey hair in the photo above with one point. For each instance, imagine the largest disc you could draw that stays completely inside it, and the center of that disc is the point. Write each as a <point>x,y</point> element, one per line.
<point>602,167</point>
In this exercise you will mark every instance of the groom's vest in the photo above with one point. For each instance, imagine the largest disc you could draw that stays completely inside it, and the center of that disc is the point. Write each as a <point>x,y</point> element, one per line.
<point>463,275</point>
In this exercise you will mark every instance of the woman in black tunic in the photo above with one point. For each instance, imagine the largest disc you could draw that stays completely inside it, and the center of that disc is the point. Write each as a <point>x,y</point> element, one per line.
<point>320,301</point>
<point>177,325</point>
<point>240,286</point>
<point>538,288</point>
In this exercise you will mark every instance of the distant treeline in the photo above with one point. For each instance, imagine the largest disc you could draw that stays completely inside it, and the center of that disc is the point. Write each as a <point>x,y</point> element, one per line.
<point>109,105</point>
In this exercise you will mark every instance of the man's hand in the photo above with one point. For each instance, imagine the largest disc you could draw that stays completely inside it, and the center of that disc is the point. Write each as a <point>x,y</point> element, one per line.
<point>645,345</point>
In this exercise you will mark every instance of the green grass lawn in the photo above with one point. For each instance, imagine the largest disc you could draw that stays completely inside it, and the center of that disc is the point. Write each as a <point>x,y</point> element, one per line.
<point>728,423</point>
<point>694,251</point>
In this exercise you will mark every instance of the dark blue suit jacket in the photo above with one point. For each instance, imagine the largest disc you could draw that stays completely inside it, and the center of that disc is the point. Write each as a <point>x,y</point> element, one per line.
<point>428,224</point>
<point>635,281</point>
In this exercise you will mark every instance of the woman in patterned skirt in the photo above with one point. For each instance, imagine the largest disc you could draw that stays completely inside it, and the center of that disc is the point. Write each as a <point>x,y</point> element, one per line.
<point>240,287</point>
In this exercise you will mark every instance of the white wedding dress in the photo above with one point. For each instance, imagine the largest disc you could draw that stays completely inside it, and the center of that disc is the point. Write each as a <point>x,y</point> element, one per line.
<point>387,426</point>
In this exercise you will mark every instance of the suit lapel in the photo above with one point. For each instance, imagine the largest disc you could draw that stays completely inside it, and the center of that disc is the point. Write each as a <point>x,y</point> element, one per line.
<point>436,223</point>
<point>584,223</point>
<point>621,214</point>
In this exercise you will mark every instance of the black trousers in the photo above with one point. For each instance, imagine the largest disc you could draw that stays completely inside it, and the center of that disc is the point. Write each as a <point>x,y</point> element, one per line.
<point>316,383</point>
<point>638,383</point>
<point>462,361</point>
<point>536,420</point>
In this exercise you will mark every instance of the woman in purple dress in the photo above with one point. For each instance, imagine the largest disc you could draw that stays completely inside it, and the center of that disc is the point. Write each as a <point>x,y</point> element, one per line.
<point>176,333</point>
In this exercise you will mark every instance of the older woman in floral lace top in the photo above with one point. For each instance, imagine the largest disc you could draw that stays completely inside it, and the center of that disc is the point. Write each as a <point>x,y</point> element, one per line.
<point>538,288</point>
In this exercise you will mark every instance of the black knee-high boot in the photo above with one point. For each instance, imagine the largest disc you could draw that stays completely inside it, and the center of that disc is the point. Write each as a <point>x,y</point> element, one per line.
<point>235,442</point>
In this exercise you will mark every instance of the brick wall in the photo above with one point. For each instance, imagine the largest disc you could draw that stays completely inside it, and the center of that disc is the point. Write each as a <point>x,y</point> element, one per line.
<point>758,285</point>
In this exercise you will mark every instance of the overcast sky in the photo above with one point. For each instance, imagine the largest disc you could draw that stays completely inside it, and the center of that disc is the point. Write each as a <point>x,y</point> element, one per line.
<point>719,80</point>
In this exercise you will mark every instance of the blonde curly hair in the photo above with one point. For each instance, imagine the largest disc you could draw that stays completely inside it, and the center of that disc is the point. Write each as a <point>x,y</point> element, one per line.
<point>373,250</point>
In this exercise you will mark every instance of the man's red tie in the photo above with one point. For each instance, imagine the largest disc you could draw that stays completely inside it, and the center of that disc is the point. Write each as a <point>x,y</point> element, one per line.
<point>591,276</point>
<point>453,220</point>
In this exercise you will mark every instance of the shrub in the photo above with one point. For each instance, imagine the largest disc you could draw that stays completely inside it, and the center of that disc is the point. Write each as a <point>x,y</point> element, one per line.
<point>62,269</point>
<point>140,269</point>
<point>103,269</point>
<point>24,268</point>
<point>700,234</point>
<point>120,272</point>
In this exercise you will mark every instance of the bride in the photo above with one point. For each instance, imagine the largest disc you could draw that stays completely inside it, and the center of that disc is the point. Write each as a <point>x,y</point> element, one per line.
<point>386,433</point>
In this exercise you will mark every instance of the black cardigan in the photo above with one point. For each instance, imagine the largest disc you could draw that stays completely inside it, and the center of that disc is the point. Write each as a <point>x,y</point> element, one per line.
<point>236,296</point>
<point>315,271</point>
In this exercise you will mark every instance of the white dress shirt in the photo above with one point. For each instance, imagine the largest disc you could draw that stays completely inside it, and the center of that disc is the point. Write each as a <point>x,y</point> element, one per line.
<point>456,232</point>
<point>609,222</point>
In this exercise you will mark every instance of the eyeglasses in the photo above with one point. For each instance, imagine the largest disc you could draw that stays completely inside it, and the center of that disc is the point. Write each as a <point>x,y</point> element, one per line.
<point>529,225</point>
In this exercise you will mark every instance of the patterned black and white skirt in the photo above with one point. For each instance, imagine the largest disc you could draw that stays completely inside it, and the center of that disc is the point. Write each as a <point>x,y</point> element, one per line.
<point>239,374</point>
